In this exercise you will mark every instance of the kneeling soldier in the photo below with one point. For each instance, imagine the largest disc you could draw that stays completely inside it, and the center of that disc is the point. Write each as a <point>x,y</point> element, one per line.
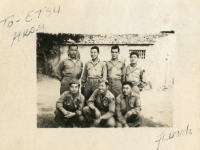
<point>69,106</point>
<point>128,107</point>
<point>101,106</point>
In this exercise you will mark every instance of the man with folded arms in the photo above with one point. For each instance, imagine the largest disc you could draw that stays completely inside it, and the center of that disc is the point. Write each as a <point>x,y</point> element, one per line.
<point>69,106</point>
<point>101,107</point>
<point>128,107</point>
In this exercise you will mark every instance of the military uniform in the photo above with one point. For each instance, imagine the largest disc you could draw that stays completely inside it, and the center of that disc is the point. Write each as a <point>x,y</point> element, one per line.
<point>72,105</point>
<point>104,105</point>
<point>135,76</point>
<point>130,104</point>
<point>91,75</point>
<point>68,70</point>
<point>115,72</point>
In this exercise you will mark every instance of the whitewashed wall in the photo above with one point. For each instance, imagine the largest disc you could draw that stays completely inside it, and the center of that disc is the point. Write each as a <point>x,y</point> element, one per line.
<point>158,70</point>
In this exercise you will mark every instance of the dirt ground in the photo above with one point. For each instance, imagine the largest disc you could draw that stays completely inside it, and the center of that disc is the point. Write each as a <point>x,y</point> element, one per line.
<point>157,106</point>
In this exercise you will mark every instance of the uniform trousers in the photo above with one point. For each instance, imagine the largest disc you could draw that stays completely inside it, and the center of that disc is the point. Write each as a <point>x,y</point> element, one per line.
<point>61,120</point>
<point>115,86</point>
<point>91,115</point>
<point>132,120</point>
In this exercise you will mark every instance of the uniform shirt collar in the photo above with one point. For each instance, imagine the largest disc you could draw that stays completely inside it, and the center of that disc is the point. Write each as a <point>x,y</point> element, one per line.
<point>106,96</point>
<point>78,97</point>
<point>129,66</point>
<point>95,62</point>
<point>116,61</point>
<point>71,59</point>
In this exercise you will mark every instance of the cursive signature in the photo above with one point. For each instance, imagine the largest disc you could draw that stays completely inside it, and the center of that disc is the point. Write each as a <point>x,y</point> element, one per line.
<point>12,20</point>
<point>167,136</point>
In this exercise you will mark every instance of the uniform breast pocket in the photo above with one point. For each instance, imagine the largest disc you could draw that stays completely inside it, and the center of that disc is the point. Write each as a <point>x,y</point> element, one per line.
<point>119,67</point>
<point>76,104</point>
<point>69,66</point>
<point>98,71</point>
<point>105,102</point>
<point>79,67</point>
<point>67,102</point>
<point>132,103</point>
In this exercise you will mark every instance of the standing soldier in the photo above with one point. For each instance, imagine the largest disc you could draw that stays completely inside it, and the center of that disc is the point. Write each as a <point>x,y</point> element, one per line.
<point>69,106</point>
<point>128,107</point>
<point>115,71</point>
<point>133,73</point>
<point>101,106</point>
<point>69,68</point>
<point>93,71</point>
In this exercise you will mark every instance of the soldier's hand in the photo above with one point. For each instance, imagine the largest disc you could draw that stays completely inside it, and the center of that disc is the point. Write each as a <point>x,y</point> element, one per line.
<point>92,107</point>
<point>65,112</point>
<point>97,121</point>
<point>128,114</point>
<point>134,111</point>
<point>70,115</point>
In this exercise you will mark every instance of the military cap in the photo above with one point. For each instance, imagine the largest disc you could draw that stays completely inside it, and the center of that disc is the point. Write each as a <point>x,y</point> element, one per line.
<point>103,80</point>
<point>127,83</point>
<point>74,81</point>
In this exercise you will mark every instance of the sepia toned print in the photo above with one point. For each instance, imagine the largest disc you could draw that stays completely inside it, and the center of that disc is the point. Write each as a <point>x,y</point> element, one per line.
<point>105,80</point>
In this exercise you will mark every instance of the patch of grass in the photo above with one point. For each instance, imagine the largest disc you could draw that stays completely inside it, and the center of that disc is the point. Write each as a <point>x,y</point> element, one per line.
<point>46,121</point>
<point>149,123</point>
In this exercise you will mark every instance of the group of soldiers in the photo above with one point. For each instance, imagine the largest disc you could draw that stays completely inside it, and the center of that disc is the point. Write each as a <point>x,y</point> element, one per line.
<point>108,96</point>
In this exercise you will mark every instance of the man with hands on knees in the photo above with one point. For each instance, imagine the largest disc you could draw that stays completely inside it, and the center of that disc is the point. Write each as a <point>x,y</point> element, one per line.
<point>101,107</point>
<point>128,107</point>
<point>69,106</point>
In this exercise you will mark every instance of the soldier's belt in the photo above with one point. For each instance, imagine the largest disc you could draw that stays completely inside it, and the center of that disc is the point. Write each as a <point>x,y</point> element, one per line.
<point>114,79</point>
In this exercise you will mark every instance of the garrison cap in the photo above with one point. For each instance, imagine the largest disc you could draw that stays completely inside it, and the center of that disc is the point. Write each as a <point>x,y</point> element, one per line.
<point>74,81</point>
<point>103,80</point>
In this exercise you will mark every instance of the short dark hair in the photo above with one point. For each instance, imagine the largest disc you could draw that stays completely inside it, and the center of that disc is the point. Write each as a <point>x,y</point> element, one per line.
<point>70,84</point>
<point>72,45</point>
<point>134,53</point>
<point>115,47</point>
<point>96,47</point>
<point>127,83</point>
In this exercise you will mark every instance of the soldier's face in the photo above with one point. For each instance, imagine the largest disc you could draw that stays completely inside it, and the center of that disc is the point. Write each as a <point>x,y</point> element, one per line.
<point>73,51</point>
<point>74,88</point>
<point>126,89</point>
<point>94,54</point>
<point>114,53</point>
<point>134,59</point>
<point>102,87</point>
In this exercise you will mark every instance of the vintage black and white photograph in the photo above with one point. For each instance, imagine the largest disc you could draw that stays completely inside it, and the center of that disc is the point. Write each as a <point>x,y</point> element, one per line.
<point>105,80</point>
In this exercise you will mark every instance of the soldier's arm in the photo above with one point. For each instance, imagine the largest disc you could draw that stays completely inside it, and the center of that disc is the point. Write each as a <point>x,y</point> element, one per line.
<point>142,75</point>
<point>81,105</point>
<point>137,107</point>
<point>84,76</point>
<point>81,69</point>
<point>119,115</point>
<point>104,71</point>
<point>59,69</point>
<point>111,110</point>
<point>90,101</point>
<point>59,104</point>
<point>123,72</point>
